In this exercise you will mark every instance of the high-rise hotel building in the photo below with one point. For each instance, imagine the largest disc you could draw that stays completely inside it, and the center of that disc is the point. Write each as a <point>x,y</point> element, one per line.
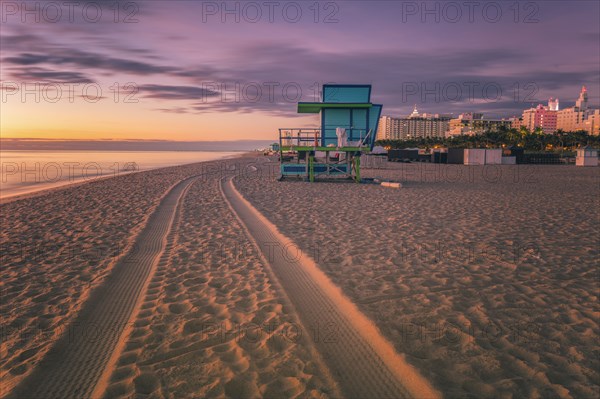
<point>543,117</point>
<point>471,123</point>
<point>413,126</point>
<point>573,118</point>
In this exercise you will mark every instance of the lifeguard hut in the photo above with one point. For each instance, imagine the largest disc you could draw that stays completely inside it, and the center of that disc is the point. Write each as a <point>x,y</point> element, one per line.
<point>586,156</point>
<point>348,128</point>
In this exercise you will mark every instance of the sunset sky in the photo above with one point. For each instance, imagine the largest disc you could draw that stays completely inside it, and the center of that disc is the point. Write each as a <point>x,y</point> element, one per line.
<point>193,76</point>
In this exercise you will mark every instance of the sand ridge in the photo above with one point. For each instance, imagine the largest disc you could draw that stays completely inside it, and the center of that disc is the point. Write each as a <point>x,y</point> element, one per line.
<point>167,246</point>
<point>73,366</point>
<point>365,364</point>
<point>66,241</point>
<point>212,323</point>
<point>485,278</point>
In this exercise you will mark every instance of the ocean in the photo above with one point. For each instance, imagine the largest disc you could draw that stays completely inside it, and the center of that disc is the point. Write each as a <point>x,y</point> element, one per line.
<point>24,172</point>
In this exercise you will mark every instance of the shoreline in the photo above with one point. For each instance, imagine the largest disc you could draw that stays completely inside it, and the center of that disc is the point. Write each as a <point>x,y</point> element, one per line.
<point>82,180</point>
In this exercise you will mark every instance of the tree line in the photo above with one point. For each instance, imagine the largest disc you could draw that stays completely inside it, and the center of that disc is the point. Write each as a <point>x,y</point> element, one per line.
<point>534,141</point>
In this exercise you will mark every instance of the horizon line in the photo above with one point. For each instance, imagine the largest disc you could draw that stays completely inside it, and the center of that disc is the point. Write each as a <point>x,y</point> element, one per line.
<point>126,140</point>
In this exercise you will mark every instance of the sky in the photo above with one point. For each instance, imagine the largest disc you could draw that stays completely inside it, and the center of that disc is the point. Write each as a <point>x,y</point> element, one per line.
<point>203,70</point>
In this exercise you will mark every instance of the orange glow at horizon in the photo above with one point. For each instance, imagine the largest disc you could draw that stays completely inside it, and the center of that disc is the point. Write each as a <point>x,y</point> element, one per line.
<point>107,120</point>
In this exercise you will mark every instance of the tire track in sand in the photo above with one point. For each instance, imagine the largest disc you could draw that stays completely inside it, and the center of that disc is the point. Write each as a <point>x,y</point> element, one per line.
<point>74,365</point>
<point>362,361</point>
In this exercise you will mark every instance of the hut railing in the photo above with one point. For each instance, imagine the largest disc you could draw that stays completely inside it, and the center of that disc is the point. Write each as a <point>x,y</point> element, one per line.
<point>311,137</point>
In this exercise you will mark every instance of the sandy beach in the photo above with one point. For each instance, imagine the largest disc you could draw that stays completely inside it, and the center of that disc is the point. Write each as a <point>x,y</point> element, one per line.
<point>209,322</point>
<point>299,200</point>
<point>483,280</point>
<point>57,248</point>
<point>485,277</point>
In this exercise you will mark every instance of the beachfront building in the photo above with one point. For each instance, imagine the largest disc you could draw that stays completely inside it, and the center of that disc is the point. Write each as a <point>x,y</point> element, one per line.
<point>473,123</point>
<point>577,118</point>
<point>413,126</point>
<point>386,128</point>
<point>542,117</point>
<point>592,123</point>
<point>516,122</point>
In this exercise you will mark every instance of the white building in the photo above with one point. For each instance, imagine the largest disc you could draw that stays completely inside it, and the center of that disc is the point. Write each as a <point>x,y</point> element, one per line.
<point>574,118</point>
<point>413,126</point>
